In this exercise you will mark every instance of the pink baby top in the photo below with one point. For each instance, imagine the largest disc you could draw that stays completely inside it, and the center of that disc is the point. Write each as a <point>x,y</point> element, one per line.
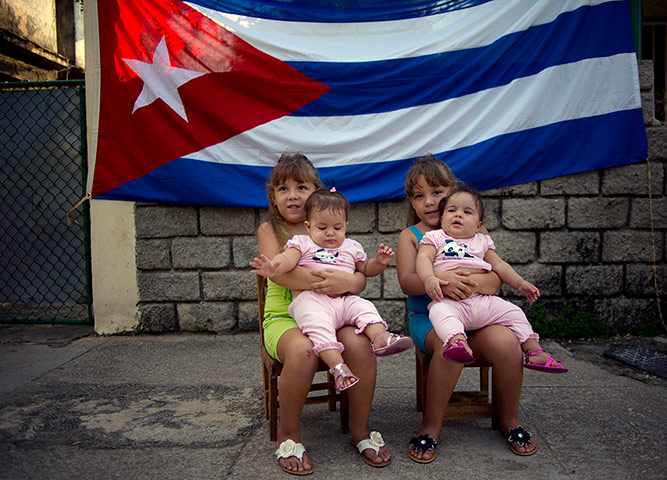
<point>452,253</point>
<point>313,256</point>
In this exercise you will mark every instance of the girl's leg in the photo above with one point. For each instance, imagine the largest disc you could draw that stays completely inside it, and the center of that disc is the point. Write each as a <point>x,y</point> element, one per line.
<point>299,366</point>
<point>360,359</point>
<point>499,346</point>
<point>442,378</point>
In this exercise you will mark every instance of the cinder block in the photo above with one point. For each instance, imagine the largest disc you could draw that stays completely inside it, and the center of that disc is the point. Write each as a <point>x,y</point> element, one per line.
<point>607,213</point>
<point>168,286</point>
<point>648,213</point>
<point>228,221</point>
<point>244,249</point>
<point>491,213</point>
<point>157,318</point>
<point>521,190</point>
<point>642,279</point>
<point>200,252</point>
<point>393,216</point>
<point>602,280</point>
<point>160,221</point>
<point>392,289</point>
<point>361,218</point>
<point>230,285</point>
<point>515,247</point>
<point>207,317</point>
<point>586,183</point>
<point>547,279</point>
<point>248,317</point>
<point>395,314</point>
<point>630,246</point>
<point>632,179</point>
<point>533,213</point>
<point>569,247</point>
<point>153,254</point>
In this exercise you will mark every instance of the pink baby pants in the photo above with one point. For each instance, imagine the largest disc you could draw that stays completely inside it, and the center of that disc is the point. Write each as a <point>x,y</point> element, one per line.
<point>450,317</point>
<point>319,316</point>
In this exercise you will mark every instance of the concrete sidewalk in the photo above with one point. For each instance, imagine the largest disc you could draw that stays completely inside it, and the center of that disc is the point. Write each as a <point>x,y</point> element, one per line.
<point>189,406</point>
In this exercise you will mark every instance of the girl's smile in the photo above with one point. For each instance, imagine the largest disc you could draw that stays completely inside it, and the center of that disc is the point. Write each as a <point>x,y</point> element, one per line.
<point>290,197</point>
<point>425,201</point>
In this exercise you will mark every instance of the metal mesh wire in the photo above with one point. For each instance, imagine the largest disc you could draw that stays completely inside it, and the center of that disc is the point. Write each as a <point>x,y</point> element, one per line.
<point>45,267</point>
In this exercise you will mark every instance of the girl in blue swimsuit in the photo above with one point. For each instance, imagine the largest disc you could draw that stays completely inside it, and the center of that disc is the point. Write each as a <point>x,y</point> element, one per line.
<point>427,181</point>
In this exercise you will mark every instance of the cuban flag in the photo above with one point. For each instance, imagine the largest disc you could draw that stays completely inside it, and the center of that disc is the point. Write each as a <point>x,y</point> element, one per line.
<point>194,102</point>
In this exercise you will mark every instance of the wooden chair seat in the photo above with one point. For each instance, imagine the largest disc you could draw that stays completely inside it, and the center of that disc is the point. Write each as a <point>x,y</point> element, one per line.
<point>323,392</point>
<point>463,404</point>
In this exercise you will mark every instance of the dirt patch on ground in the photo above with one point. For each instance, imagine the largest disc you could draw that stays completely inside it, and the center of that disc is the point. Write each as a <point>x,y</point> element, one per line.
<point>592,350</point>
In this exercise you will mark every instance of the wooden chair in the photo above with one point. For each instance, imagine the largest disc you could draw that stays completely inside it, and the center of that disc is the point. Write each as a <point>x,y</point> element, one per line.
<point>324,392</point>
<point>463,404</point>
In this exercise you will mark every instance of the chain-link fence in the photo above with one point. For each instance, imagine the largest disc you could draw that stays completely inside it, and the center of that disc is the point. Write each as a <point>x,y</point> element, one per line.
<point>45,266</point>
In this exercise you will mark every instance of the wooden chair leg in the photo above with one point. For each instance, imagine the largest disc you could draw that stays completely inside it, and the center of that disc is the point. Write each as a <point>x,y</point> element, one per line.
<point>463,404</point>
<point>421,374</point>
<point>273,410</point>
<point>344,413</point>
<point>267,386</point>
<point>331,391</point>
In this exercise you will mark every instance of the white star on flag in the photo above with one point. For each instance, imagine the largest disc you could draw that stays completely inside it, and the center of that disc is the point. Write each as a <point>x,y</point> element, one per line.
<point>161,80</point>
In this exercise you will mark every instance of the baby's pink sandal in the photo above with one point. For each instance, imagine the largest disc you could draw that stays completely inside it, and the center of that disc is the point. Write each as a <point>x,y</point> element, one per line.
<point>399,344</point>
<point>548,367</point>
<point>340,373</point>
<point>458,353</point>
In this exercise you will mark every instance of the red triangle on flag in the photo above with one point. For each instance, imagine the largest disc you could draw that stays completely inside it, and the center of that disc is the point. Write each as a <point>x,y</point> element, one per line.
<point>235,87</point>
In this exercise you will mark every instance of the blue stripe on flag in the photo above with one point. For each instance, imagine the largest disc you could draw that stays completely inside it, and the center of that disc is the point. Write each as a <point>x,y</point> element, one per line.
<point>559,149</point>
<point>341,11</point>
<point>372,87</point>
<point>554,150</point>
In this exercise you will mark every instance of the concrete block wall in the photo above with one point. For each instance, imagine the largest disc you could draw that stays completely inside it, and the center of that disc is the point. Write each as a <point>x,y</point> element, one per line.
<point>598,234</point>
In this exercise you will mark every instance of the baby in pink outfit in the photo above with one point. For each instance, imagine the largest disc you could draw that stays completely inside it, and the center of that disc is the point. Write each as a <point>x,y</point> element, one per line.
<point>459,244</point>
<point>319,315</point>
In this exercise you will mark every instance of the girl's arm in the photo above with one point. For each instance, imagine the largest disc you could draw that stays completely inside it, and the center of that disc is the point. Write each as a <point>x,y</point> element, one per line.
<point>511,277</point>
<point>406,258</point>
<point>424,266</point>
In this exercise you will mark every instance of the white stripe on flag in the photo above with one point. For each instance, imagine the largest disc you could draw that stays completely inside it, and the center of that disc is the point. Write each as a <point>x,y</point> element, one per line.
<point>583,89</point>
<point>370,41</point>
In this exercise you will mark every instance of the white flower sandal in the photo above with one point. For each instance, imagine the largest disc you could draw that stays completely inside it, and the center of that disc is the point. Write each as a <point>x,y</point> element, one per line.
<point>374,443</point>
<point>289,448</point>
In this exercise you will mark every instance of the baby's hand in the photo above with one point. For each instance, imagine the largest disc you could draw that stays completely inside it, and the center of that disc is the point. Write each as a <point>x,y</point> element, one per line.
<point>264,267</point>
<point>433,288</point>
<point>529,291</point>
<point>384,255</point>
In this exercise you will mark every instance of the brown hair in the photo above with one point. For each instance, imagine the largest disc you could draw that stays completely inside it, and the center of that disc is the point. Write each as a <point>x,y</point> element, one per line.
<point>463,188</point>
<point>435,173</point>
<point>293,166</point>
<point>324,199</point>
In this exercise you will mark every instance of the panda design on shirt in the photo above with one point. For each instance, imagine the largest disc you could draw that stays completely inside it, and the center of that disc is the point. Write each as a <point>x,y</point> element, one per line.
<point>455,249</point>
<point>324,256</point>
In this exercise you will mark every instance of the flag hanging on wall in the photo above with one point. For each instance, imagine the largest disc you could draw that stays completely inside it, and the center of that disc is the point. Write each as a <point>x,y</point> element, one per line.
<point>194,102</point>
